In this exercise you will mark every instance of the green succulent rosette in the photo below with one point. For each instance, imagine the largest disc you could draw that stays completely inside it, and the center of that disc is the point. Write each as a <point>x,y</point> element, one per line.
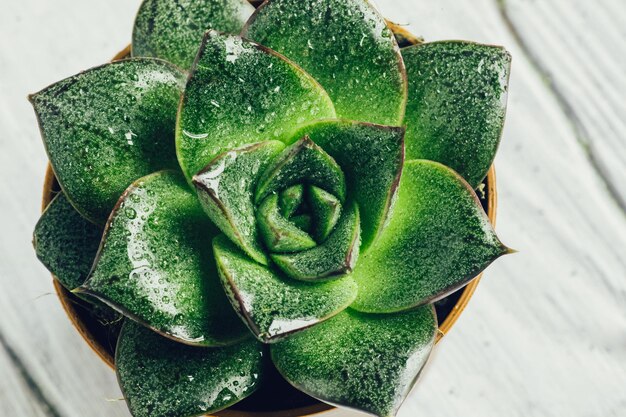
<point>294,197</point>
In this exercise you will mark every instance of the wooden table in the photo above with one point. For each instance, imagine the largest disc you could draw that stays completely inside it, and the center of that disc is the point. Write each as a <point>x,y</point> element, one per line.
<point>545,334</point>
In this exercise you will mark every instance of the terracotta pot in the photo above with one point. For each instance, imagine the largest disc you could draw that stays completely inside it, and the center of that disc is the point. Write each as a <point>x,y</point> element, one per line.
<point>291,403</point>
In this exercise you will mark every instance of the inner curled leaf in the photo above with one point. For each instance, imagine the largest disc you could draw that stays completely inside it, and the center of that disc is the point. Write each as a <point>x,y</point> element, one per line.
<point>300,198</point>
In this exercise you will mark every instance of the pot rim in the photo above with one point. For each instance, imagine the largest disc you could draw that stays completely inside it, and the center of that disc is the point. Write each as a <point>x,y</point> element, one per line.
<point>83,329</point>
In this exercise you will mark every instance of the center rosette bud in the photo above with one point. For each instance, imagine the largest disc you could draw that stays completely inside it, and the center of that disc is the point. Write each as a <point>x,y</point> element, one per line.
<point>287,207</point>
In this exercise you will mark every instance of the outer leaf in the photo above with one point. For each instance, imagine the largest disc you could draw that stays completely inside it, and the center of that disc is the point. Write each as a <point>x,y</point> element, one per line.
<point>160,377</point>
<point>272,306</point>
<point>365,362</point>
<point>240,92</point>
<point>155,264</point>
<point>226,190</point>
<point>437,241</point>
<point>173,29</point>
<point>333,258</point>
<point>280,234</point>
<point>66,243</point>
<point>346,46</point>
<point>303,161</point>
<point>457,103</point>
<point>108,126</point>
<point>371,157</point>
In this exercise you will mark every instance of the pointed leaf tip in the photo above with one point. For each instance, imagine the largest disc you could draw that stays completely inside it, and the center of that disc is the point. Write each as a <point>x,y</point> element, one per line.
<point>438,240</point>
<point>109,126</point>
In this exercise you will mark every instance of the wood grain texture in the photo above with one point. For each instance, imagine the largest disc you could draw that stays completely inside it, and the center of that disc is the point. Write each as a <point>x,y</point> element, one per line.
<point>544,334</point>
<point>579,53</point>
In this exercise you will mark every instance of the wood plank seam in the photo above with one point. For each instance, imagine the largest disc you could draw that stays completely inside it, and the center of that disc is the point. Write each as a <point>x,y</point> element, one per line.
<point>580,131</point>
<point>29,381</point>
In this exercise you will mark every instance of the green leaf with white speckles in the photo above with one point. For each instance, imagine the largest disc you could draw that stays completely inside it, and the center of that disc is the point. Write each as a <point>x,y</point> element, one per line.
<point>160,377</point>
<point>346,46</point>
<point>240,93</point>
<point>457,104</point>
<point>173,29</point>
<point>273,306</point>
<point>439,238</point>
<point>302,161</point>
<point>155,264</point>
<point>226,190</point>
<point>371,157</point>
<point>66,243</point>
<point>365,362</point>
<point>333,258</point>
<point>108,126</point>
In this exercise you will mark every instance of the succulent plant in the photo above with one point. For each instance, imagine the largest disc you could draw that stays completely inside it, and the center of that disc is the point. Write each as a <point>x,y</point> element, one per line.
<point>296,196</point>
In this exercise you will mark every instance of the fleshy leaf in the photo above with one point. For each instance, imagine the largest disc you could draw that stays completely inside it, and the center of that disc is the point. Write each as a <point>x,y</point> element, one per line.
<point>371,157</point>
<point>226,190</point>
<point>173,30</point>
<point>65,242</point>
<point>273,306</point>
<point>457,104</point>
<point>346,46</point>
<point>160,377</point>
<point>303,221</point>
<point>280,234</point>
<point>326,209</point>
<point>438,240</point>
<point>109,126</point>
<point>361,361</point>
<point>302,161</point>
<point>239,93</point>
<point>291,199</point>
<point>333,258</point>
<point>155,264</point>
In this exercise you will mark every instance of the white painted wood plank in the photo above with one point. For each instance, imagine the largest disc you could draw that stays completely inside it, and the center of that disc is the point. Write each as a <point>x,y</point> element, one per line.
<point>16,398</point>
<point>580,51</point>
<point>544,334</point>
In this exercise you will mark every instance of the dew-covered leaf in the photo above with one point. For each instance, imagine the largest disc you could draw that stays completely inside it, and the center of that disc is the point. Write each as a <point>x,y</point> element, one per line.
<point>226,190</point>
<point>160,377</point>
<point>65,242</point>
<point>109,126</point>
<point>274,306</point>
<point>304,161</point>
<point>240,93</point>
<point>156,266</point>
<point>326,210</point>
<point>333,258</point>
<point>173,29</point>
<point>303,221</point>
<point>439,238</point>
<point>346,46</point>
<point>291,199</point>
<point>457,104</point>
<point>278,232</point>
<point>361,361</point>
<point>371,157</point>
